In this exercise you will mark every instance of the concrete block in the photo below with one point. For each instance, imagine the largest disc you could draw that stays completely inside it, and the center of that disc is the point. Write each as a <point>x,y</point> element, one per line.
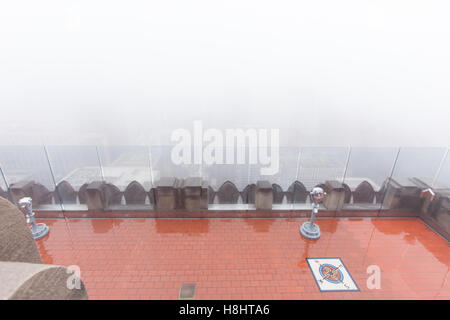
<point>335,197</point>
<point>264,195</point>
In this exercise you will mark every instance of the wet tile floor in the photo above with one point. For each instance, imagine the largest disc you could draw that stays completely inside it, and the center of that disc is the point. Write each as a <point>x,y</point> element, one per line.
<point>247,258</point>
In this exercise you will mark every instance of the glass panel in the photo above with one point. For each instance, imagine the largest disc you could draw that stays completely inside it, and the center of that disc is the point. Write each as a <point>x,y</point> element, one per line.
<point>421,163</point>
<point>436,211</point>
<point>124,164</point>
<point>319,164</point>
<point>367,170</point>
<point>78,166</point>
<point>162,164</point>
<point>29,163</point>
<point>3,186</point>
<point>279,169</point>
<point>232,168</point>
<point>442,180</point>
<point>415,168</point>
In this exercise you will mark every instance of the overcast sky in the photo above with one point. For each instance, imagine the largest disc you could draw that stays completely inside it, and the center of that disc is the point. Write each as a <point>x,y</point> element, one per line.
<point>337,73</point>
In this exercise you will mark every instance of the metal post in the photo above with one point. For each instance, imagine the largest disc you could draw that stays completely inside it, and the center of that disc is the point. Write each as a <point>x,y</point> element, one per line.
<point>6,184</point>
<point>438,171</point>
<point>346,163</point>
<point>61,204</point>
<point>309,229</point>
<point>390,177</point>
<point>315,210</point>
<point>100,164</point>
<point>38,230</point>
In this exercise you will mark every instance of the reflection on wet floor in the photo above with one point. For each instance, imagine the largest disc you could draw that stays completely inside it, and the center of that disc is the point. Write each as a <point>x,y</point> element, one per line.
<point>99,226</point>
<point>260,225</point>
<point>247,258</point>
<point>186,227</point>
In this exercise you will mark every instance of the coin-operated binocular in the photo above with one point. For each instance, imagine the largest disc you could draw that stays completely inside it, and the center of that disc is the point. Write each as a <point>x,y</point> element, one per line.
<point>309,229</point>
<point>38,230</point>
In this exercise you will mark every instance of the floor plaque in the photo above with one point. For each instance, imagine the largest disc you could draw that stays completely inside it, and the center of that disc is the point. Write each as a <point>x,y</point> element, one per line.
<point>187,291</point>
<point>331,274</point>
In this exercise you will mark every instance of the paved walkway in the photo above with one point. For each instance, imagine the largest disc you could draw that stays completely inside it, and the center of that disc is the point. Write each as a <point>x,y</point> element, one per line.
<point>247,258</point>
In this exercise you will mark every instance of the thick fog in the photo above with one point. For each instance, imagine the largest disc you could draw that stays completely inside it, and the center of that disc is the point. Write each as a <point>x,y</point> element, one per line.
<point>334,73</point>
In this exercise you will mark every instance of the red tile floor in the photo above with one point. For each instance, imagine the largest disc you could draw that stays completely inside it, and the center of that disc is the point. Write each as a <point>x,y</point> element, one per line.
<point>247,258</point>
